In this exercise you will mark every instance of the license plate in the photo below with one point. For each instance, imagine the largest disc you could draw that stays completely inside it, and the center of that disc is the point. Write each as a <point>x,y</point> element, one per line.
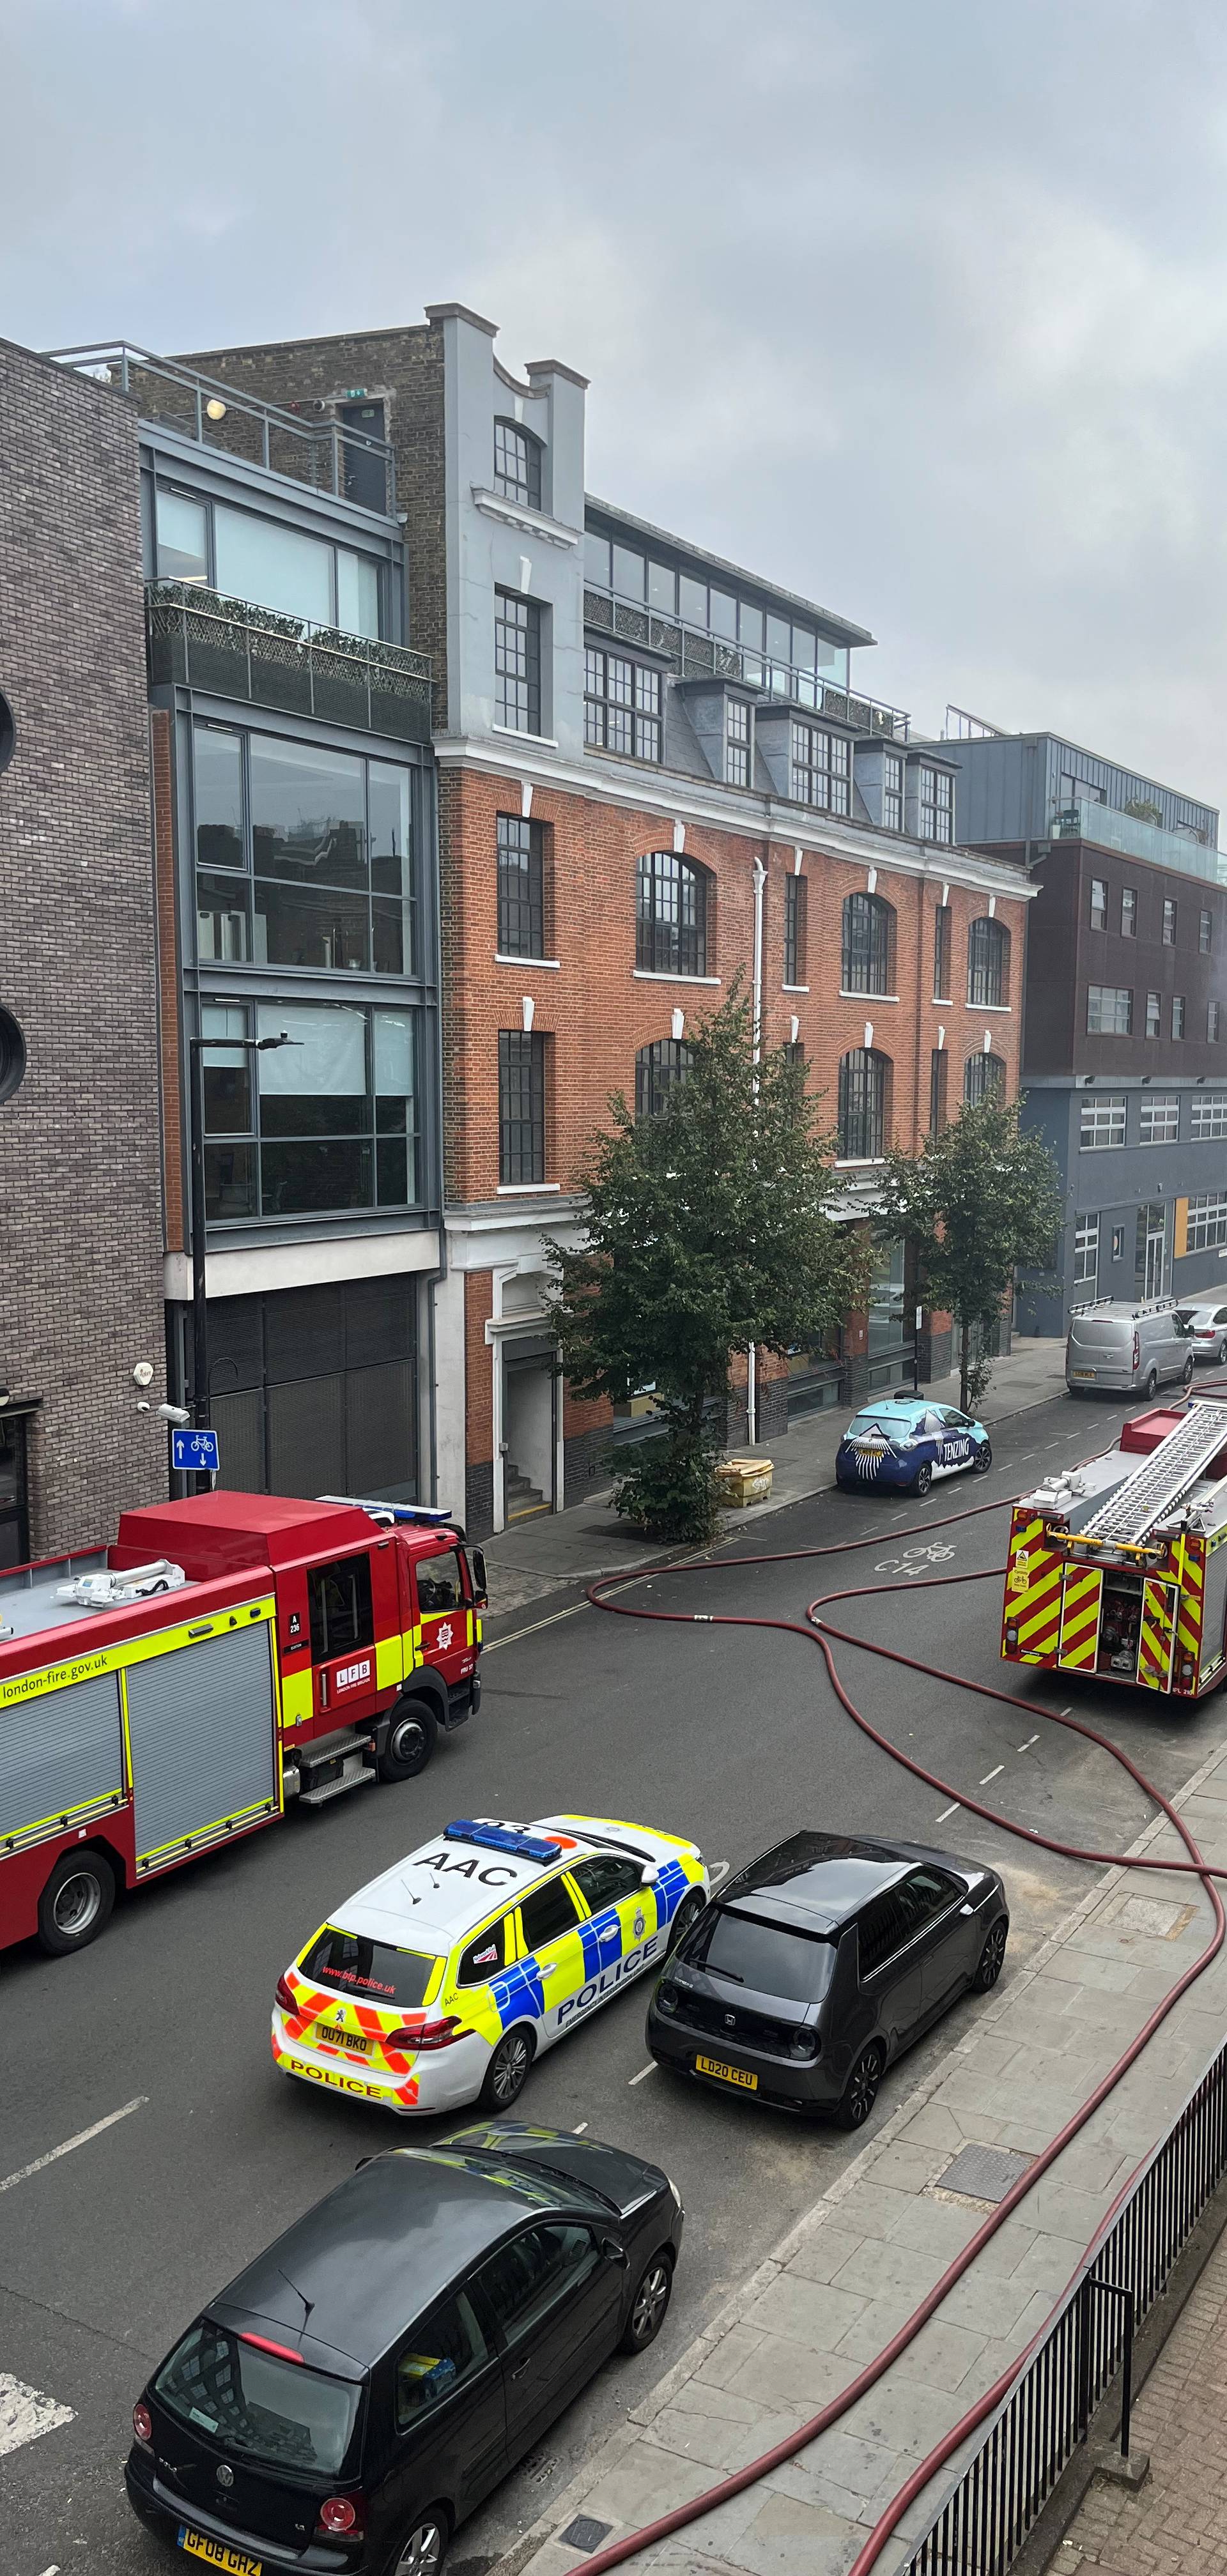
<point>342,2038</point>
<point>217,2553</point>
<point>727,2074</point>
<point>1082,1372</point>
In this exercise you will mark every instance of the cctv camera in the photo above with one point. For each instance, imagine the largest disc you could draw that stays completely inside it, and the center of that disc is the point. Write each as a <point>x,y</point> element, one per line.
<point>176,1413</point>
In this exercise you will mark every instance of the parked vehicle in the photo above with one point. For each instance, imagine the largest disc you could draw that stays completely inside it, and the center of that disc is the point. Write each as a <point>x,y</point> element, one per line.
<point>367,2380</point>
<point>225,1655</point>
<point>902,1442</point>
<point>1207,1323</point>
<point>1124,1346</point>
<point>813,1969</point>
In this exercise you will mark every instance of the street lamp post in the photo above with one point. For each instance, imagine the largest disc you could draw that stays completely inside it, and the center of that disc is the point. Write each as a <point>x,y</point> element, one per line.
<point>200,1310</point>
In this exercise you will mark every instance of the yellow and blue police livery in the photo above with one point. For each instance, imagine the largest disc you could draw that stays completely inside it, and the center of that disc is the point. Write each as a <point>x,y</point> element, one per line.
<point>901,1443</point>
<point>439,1982</point>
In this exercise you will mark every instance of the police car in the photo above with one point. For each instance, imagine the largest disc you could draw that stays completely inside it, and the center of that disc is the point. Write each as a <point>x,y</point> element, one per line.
<point>440,1982</point>
<point>903,1442</point>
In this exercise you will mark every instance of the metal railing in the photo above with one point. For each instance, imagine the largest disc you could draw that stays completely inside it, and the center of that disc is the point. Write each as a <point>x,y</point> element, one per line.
<point>198,639</point>
<point>325,454</point>
<point>983,2522</point>
<point>695,653</point>
<point>1137,836</point>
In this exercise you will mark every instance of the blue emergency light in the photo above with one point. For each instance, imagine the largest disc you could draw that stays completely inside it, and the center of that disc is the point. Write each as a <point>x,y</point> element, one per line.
<point>504,1838</point>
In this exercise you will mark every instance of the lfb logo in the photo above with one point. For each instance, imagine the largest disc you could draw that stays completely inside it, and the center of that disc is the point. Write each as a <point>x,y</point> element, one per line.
<point>444,1634</point>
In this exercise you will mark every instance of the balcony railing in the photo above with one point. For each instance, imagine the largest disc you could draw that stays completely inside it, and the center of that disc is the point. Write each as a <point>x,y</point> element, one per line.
<point>329,455</point>
<point>228,648</point>
<point>696,654</point>
<point>1135,837</point>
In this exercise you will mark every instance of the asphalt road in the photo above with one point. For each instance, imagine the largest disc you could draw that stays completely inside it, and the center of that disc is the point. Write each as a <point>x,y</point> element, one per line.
<point>734,1737</point>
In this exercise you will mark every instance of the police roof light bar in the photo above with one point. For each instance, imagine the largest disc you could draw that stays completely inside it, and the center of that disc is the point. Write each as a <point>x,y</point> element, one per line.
<point>504,1838</point>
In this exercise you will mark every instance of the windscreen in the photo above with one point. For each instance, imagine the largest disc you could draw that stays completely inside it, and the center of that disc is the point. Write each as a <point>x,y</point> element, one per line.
<point>253,2403</point>
<point>768,1957</point>
<point>371,1971</point>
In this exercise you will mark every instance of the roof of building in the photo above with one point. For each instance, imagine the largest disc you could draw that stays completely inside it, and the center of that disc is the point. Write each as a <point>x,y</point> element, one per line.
<point>840,628</point>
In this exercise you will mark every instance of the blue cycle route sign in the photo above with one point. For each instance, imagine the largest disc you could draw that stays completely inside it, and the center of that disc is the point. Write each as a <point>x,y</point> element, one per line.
<point>194,1452</point>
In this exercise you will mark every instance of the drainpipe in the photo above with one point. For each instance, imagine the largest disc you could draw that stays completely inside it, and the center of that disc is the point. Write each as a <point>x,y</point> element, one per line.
<point>760,880</point>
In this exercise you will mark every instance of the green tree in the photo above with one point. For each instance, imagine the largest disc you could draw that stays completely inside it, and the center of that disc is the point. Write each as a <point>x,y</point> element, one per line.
<point>982,1197</point>
<point>707,1230</point>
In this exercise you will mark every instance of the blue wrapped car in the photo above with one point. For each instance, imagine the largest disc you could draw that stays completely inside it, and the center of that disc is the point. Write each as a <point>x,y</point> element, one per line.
<point>901,1443</point>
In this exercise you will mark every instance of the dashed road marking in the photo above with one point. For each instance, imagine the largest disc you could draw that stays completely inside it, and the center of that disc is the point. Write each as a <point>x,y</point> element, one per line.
<point>992,1775</point>
<point>947,1811</point>
<point>643,2071</point>
<point>1031,1739</point>
<point>81,2139</point>
<point>578,2132</point>
<point>25,2413</point>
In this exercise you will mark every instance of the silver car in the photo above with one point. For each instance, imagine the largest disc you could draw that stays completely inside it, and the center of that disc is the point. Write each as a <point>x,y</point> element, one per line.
<point>1208,1325</point>
<point>1127,1347</point>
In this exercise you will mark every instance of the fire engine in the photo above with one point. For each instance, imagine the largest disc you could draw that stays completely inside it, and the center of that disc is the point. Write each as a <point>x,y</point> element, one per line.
<point>225,1655</point>
<point>1119,1567</point>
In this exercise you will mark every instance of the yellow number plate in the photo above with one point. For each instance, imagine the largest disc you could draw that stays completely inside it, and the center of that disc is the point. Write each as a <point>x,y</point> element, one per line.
<point>216,2553</point>
<point>341,2038</point>
<point>727,2074</point>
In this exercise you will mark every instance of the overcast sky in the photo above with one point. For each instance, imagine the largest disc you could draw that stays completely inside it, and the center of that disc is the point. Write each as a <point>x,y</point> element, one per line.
<point>916,306</point>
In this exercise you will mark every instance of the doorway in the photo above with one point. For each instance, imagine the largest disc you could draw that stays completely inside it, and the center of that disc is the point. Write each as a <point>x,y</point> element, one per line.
<point>1152,1264</point>
<point>529,1434</point>
<point>14,1499</point>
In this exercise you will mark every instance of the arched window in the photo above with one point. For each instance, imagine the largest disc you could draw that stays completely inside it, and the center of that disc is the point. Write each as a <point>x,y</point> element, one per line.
<point>517,464</point>
<point>657,1068</point>
<point>671,915</point>
<point>863,1075</point>
<point>869,944</point>
<point>988,963</point>
<point>983,1076</point>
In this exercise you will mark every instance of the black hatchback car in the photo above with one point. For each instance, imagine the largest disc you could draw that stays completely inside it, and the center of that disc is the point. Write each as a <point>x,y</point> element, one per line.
<point>368,2379</point>
<point>820,1963</point>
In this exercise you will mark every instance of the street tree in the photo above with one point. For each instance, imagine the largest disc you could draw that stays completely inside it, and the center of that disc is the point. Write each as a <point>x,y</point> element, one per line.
<point>982,1197</point>
<point>707,1230</point>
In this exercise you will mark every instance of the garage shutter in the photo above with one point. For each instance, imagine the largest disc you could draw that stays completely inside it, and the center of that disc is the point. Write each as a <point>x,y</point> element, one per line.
<point>60,1750</point>
<point>200,1724</point>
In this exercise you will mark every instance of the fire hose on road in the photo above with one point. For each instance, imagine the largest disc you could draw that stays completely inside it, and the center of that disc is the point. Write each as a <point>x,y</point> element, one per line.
<point>818,1630</point>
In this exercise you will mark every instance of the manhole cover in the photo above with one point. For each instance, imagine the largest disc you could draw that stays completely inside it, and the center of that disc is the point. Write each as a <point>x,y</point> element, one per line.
<point>584,2533</point>
<point>983,2173</point>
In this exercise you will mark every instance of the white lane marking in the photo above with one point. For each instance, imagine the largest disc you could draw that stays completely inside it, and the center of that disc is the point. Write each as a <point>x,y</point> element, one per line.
<point>992,1775</point>
<point>644,2070</point>
<point>81,2139</point>
<point>718,1871</point>
<point>1031,1739</point>
<point>25,2413</point>
<point>1067,1712</point>
<point>578,2133</point>
<point>947,1811</point>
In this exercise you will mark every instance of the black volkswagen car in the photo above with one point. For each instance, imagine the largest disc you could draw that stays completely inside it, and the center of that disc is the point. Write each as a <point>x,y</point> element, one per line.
<point>820,1963</point>
<point>367,2380</point>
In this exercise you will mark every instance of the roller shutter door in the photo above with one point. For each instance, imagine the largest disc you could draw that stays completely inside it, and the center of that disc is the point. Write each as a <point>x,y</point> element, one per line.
<point>59,1750</point>
<point>200,1724</point>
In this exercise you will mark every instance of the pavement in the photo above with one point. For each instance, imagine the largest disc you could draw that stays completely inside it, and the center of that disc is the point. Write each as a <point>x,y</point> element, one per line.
<point>554,1550</point>
<point>843,2281</point>
<point>1176,2524</point>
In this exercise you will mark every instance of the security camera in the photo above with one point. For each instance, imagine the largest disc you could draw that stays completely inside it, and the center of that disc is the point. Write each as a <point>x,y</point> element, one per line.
<point>177,1413</point>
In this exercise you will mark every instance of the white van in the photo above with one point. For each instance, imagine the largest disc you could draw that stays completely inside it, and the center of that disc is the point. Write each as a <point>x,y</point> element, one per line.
<point>1127,1347</point>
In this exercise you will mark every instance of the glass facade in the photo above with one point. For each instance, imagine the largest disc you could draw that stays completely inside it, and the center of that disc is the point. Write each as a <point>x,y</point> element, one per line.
<point>326,1124</point>
<point>303,856</point>
<point>267,562</point>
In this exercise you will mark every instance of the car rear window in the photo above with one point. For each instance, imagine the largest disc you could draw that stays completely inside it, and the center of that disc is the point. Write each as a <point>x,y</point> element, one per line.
<point>371,1971</point>
<point>871,1422</point>
<point>1099,1337</point>
<point>254,2403</point>
<point>772,1959</point>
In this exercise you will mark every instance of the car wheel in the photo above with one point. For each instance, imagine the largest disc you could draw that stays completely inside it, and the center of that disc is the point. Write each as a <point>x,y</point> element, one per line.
<point>423,2550</point>
<point>75,1903</point>
<point>1151,1386</point>
<point>411,1740</point>
<point>983,1459</point>
<point>992,1956</point>
<point>861,2090</point>
<point>1222,1354</point>
<point>649,2306</point>
<point>685,1919</point>
<point>507,2072</point>
<point>922,1479</point>
<point>1186,1374</point>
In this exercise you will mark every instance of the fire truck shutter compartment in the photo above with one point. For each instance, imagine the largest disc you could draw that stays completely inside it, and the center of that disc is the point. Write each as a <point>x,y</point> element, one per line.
<point>200,1724</point>
<point>60,1750</point>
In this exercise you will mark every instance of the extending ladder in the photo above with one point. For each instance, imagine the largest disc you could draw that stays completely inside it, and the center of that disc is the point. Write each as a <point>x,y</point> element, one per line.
<point>1159,1482</point>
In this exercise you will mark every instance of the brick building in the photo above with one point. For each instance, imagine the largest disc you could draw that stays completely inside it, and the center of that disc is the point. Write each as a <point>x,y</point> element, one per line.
<point>645,755</point>
<point>80,1213</point>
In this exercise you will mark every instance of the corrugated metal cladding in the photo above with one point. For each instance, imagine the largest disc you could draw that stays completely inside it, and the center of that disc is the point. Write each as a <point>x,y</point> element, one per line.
<point>200,1725</point>
<point>59,1750</point>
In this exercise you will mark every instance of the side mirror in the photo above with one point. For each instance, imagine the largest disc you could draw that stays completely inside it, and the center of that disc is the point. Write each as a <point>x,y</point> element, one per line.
<point>477,1568</point>
<point>649,1874</point>
<point>613,2251</point>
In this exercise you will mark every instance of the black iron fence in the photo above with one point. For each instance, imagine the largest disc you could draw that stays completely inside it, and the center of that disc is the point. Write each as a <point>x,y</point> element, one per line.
<point>984,2521</point>
<point>231,649</point>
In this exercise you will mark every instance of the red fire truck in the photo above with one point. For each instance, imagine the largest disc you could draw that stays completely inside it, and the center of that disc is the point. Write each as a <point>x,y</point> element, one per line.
<point>1119,1567</point>
<point>224,1656</point>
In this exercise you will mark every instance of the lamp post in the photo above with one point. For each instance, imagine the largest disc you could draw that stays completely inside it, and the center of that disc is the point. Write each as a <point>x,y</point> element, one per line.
<point>200,1310</point>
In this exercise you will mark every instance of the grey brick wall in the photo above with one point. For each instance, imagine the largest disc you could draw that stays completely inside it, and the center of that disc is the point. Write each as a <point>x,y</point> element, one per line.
<point>80,1196</point>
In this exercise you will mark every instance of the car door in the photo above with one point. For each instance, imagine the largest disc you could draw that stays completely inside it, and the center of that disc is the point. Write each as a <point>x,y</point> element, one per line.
<point>447,2397</point>
<point>443,1613</point>
<point>342,1625</point>
<point>932,1900</point>
<point>618,1923</point>
<point>550,1946</point>
<point>957,1445</point>
<point>555,2297</point>
<point>890,1969</point>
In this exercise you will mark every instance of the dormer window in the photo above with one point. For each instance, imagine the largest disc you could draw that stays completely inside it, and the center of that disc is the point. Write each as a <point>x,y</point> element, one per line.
<point>936,805</point>
<point>517,464</point>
